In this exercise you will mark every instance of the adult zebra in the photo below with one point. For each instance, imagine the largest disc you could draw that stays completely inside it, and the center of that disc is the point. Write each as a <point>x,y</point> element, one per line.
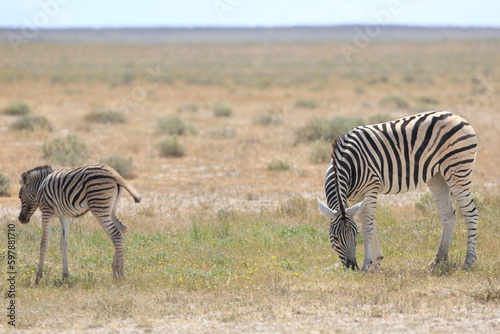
<point>71,192</point>
<point>436,147</point>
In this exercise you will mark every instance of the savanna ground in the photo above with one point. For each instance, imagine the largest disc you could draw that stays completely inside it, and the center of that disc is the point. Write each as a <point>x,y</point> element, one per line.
<point>228,237</point>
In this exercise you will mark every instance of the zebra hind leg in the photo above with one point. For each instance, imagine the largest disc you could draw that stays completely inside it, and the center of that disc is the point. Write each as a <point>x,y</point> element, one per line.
<point>441,194</point>
<point>115,234</point>
<point>471,217</point>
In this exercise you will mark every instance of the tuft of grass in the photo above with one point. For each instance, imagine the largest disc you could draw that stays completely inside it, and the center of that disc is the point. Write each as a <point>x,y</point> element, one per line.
<point>105,117</point>
<point>67,151</point>
<point>306,104</point>
<point>428,100</point>
<point>4,185</point>
<point>124,166</point>
<point>174,126</point>
<point>267,120</point>
<point>275,165</point>
<point>320,151</point>
<point>394,101</point>
<point>17,109</point>
<point>31,123</point>
<point>170,147</point>
<point>325,129</point>
<point>221,110</point>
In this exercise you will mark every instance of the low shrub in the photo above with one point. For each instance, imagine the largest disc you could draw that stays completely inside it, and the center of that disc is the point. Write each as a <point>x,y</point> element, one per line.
<point>4,186</point>
<point>267,119</point>
<point>222,133</point>
<point>67,151</point>
<point>30,123</point>
<point>124,166</point>
<point>170,147</point>
<point>17,109</point>
<point>306,104</point>
<point>326,129</point>
<point>394,101</point>
<point>105,117</point>
<point>320,151</point>
<point>188,107</point>
<point>222,111</point>
<point>174,126</point>
<point>275,165</point>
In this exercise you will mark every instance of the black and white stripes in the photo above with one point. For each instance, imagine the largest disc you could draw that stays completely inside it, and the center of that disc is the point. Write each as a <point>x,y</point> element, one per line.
<point>437,148</point>
<point>67,193</point>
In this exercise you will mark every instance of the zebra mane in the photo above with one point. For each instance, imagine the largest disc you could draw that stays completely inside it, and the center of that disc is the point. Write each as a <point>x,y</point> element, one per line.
<point>335,143</point>
<point>35,173</point>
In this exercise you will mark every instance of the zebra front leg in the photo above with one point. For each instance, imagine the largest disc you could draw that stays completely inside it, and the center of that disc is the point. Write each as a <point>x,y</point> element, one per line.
<point>376,252</point>
<point>64,245</point>
<point>46,229</point>
<point>370,241</point>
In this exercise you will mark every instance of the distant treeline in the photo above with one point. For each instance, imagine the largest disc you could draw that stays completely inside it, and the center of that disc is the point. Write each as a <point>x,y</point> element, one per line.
<point>241,35</point>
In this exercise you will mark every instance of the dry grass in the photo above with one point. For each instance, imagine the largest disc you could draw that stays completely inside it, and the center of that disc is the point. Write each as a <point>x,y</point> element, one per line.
<point>220,243</point>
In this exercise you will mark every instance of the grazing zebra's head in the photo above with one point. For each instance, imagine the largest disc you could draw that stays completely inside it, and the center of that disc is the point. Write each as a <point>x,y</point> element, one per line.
<point>343,231</point>
<point>30,183</point>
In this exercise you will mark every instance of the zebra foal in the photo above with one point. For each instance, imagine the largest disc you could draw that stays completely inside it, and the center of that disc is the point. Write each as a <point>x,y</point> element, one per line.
<point>436,147</point>
<point>71,192</point>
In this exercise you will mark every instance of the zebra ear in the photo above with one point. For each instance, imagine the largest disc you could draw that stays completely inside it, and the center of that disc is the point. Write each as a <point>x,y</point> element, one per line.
<point>25,179</point>
<point>325,210</point>
<point>355,208</point>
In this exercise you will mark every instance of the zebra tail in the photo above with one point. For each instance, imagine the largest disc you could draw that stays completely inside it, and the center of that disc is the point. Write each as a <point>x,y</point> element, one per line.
<point>121,182</point>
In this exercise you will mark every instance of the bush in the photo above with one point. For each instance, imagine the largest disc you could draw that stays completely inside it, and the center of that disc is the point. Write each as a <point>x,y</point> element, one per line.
<point>222,111</point>
<point>306,104</point>
<point>394,101</point>
<point>17,109</point>
<point>188,107</point>
<point>4,186</point>
<point>123,166</point>
<point>222,133</point>
<point>326,130</point>
<point>68,151</point>
<point>379,118</point>
<point>278,165</point>
<point>174,126</point>
<point>320,151</point>
<point>428,100</point>
<point>170,147</point>
<point>267,119</point>
<point>31,123</point>
<point>105,117</point>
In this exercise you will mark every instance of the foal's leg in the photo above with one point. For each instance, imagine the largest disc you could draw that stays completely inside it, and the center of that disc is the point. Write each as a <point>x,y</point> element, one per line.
<point>64,244</point>
<point>47,220</point>
<point>441,194</point>
<point>102,210</point>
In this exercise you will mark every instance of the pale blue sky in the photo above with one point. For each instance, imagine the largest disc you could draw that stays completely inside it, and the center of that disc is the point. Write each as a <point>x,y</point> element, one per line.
<point>189,13</point>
